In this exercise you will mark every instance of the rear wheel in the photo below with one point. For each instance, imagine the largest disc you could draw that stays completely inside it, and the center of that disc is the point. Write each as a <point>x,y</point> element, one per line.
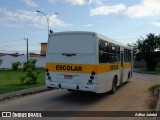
<point>114,85</point>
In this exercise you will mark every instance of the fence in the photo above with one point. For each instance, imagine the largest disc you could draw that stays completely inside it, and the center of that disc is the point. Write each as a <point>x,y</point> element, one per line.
<point>8,60</point>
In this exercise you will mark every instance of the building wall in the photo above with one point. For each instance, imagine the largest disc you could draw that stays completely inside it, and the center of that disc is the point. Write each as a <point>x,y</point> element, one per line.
<point>41,61</point>
<point>8,60</point>
<point>140,64</point>
<point>43,49</point>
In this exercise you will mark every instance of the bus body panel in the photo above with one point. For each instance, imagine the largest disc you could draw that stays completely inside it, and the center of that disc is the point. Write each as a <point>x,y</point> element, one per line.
<point>73,57</point>
<point>66,56</point>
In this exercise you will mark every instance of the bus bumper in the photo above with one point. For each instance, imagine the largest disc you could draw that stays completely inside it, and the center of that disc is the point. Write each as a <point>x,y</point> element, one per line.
<point>90,88</point>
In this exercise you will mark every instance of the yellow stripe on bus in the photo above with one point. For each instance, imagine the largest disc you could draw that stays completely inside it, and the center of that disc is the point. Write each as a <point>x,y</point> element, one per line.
<point>84,68</point>
<point>127,65</point>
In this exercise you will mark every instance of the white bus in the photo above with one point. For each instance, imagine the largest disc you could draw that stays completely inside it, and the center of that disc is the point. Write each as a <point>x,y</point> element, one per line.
<point>86,61</point>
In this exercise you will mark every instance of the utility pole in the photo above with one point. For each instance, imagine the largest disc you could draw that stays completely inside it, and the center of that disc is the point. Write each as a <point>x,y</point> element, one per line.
<point>27,48</point>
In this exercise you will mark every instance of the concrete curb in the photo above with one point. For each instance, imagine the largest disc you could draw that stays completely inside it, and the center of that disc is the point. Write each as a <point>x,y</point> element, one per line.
<point>25,92</point>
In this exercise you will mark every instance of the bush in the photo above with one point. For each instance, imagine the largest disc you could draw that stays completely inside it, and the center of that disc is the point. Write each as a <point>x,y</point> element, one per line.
<point>1,62</point>
<point>31,76</point>
<point>16,65</point>
<point>154,94</point>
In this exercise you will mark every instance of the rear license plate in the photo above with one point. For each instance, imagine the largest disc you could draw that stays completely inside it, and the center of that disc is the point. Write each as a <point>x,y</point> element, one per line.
<point>68,76</point>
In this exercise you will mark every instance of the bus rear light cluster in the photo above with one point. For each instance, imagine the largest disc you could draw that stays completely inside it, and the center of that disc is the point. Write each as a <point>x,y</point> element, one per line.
<point>91,77</point>
<point>48,75</point>
<point>90,81</point>
<point>93,73</point>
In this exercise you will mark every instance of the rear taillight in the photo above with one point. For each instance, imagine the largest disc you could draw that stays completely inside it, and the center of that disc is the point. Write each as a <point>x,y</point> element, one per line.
<point>90,81</point>
<point>48,74</point>
<point>47,70</point>
<point>93,73</point>
<point>49,78</point>
<point>91,77</point>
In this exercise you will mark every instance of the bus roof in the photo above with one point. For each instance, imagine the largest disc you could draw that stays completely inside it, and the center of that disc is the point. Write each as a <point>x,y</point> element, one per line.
<point>99,36</point>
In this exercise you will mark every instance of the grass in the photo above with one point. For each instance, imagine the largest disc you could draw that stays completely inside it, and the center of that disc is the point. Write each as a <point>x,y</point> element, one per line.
<point>153,96</point>
<point>154,87</point>
<point>157,70</point>
<point>10,80</point>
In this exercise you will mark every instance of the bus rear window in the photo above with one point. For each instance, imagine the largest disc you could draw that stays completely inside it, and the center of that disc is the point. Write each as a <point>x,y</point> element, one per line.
<point>83,44</point>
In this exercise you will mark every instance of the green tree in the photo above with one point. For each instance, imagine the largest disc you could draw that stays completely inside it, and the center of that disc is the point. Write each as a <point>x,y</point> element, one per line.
<point>1,62</point>
<point>16,65</point>
<point>30,76</point>
<point>148,49</point>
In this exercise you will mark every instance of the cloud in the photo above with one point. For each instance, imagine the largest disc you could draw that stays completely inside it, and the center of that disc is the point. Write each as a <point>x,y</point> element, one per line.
<point>30,3</point>
<point>97,2</point>
<point>53,1</point>
<point>157,24</point>
<point>106,10</point>
<point>76,2</point>
<point>145,8</point>
<point>89,25</point>
<point>72,2</point>
<point>79,2</point>
<point>83,2</point>
<point>29,17</point>
<point>11,25</point>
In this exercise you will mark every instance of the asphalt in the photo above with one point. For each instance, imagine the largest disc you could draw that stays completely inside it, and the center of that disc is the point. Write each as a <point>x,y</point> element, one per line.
<point>24,92</point>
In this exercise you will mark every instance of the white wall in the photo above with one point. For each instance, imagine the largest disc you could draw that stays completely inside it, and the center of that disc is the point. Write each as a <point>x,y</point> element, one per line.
<point>41,61</point>
<point>8,60</point>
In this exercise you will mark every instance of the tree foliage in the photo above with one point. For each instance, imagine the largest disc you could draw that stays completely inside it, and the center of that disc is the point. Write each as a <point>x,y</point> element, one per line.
<point>1,62</point>
<point>31,76</point>
<point>148,49</point>
<point>16,65</point>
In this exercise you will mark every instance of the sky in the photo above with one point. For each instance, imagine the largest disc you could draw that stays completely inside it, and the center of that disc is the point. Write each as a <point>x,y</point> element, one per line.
<point>122,20</point>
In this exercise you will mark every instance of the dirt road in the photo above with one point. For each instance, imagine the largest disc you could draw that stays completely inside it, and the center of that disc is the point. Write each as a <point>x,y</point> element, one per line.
<point>130,97</point>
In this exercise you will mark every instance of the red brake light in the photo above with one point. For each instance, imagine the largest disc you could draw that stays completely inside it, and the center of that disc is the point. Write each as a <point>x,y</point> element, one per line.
<point>47,70</point>
<point>92,77</point>
<point>93,73</point>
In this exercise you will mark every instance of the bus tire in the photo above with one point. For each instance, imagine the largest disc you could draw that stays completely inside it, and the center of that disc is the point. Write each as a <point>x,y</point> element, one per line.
<point>114,85</point>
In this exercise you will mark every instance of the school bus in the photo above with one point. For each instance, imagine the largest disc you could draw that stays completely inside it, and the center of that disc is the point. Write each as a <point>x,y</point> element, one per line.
<point>86,61</point>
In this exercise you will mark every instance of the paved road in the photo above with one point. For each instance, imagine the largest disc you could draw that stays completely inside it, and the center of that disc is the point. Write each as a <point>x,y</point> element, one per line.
<point>130,97</point>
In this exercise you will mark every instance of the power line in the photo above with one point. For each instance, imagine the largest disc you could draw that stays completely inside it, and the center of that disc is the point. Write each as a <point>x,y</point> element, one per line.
<point>11,40</point>
<point>36,44</point>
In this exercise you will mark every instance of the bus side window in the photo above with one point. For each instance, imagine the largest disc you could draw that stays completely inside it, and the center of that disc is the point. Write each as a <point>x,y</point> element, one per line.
<point>117,52</point>
<point>112,57</point>
<point>127,55</point>
<point>103,51</point>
